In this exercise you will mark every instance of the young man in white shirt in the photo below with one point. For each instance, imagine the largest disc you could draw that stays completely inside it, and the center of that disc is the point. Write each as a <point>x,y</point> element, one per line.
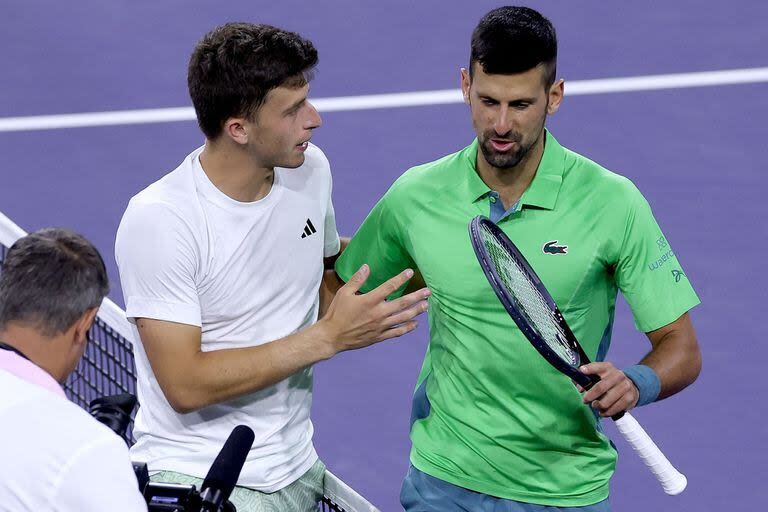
<point>54,455</point>
<point>221,262</point>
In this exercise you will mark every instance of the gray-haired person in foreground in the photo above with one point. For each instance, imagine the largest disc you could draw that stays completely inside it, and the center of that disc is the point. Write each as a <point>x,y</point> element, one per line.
<point>55,456</point>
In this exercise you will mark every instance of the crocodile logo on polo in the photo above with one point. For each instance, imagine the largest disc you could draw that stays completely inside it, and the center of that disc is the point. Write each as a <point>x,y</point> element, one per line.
<point>553,248</point>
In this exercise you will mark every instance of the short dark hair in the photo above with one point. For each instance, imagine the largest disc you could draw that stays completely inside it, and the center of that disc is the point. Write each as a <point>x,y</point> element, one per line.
<point>234,66</point>
<point>511,40</point>
<point>49,279</point>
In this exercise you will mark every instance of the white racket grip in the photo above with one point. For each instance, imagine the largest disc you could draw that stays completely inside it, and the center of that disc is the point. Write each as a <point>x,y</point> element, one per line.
<point>671,480</point>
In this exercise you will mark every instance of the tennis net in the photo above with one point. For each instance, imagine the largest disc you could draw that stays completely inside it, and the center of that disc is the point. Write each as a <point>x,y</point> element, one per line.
<point>107,368</point>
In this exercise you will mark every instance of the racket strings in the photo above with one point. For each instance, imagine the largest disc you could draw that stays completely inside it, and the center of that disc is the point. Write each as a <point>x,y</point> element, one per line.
<point>529,299</point>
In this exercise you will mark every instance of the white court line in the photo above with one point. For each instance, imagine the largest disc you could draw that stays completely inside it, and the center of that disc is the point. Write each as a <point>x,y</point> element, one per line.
<point>406,99</point>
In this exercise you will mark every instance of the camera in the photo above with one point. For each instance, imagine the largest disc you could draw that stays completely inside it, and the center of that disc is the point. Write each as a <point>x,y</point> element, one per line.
<point>115,412</point>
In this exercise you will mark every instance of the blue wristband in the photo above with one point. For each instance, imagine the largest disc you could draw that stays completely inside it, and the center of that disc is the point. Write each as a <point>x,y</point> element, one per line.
<point>646,381</point>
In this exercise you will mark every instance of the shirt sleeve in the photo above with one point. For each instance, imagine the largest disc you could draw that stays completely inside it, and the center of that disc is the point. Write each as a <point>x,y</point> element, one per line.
<point>648,272</point>
<point>157,258</point>
<point>380,242</point>
<point>100,477</point>
<point>332,243</point>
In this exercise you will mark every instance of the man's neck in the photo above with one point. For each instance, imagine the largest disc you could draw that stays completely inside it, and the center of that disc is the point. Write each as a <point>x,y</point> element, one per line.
<point>234,172</point>
<point>512,182</point>
<point>39,350</point>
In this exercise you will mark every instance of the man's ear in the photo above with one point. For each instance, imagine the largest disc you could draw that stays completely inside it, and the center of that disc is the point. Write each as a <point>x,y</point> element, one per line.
<point>83,325</point>
<point>235,128</point>
<point>466,82</point>
<point>555,96</point>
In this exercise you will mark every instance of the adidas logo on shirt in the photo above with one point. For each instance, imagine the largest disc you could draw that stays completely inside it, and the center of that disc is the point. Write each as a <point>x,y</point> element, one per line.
<point>309,229</point>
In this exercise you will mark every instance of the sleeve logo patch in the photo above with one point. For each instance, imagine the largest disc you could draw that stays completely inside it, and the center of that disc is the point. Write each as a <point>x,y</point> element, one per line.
<point>553,248</point>
<point>654,265</point>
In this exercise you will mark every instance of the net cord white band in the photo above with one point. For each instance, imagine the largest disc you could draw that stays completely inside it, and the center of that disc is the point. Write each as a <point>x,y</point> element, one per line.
<point>344,496</point>
<point>672,481</point>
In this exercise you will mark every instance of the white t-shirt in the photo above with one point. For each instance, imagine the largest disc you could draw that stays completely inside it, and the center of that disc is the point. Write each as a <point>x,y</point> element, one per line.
<point>55,456</point>
<point>248,274</point>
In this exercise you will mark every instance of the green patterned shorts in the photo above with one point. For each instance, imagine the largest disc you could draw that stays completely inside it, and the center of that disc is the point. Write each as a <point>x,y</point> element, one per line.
<point>302,495</point>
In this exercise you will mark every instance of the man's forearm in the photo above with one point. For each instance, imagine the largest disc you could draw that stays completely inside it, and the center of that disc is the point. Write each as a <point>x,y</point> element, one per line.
<point>227,374</point>
<point>675,357</point>
<point>330,283</point>
<point>672,364</point>
<point>192,379</point>
<point>220,375</point>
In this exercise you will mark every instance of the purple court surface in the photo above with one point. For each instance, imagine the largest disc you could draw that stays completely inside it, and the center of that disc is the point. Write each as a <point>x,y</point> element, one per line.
<point>697,153</point>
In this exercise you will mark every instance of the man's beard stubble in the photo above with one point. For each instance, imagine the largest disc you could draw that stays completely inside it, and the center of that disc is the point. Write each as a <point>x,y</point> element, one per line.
<point>505,160</point>
<point>508,159</point>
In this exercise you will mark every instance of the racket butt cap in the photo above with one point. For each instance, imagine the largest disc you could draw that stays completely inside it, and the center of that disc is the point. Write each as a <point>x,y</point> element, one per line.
<point>677,486</point>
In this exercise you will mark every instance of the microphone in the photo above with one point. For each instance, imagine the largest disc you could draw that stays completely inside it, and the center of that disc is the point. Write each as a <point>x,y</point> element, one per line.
<point>225,470</point>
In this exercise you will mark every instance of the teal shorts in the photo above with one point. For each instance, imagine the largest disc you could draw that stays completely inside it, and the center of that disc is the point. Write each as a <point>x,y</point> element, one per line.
<point>424,493</point>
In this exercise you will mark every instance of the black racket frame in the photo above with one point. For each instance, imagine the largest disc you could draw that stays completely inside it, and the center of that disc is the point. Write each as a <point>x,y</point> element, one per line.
<point>510,303</point>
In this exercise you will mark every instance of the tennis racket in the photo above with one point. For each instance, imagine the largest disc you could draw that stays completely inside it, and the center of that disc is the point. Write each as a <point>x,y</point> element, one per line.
<point>534,311</point>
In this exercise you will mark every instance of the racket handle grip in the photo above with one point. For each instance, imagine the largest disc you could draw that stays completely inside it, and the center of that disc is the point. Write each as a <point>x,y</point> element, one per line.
<point>672,481</point>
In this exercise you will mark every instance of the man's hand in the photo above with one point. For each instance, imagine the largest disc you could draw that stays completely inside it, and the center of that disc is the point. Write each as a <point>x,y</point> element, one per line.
<point>355,321</point>
<point>614,393</point>
<point>191,378</point>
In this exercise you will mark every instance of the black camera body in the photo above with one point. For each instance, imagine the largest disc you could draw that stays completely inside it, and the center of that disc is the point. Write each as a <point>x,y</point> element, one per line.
<point>172,497</point>
<point>115,412</point>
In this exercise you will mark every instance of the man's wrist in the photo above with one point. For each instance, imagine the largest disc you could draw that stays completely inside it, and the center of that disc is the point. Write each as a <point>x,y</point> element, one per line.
<point>322,339</point>
<point>646,381</point>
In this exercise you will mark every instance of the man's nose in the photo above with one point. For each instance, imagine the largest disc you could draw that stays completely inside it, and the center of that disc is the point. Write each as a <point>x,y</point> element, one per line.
<point>313,120</point>
<point>503,122</point>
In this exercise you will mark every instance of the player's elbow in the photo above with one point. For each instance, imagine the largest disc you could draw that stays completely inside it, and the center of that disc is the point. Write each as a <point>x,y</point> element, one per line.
<point>688,367</point>
<point>694,363</point>
<point>183,399</point>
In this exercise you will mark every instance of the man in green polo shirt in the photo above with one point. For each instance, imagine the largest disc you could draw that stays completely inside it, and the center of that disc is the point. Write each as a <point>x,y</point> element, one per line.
<point>494,427</point>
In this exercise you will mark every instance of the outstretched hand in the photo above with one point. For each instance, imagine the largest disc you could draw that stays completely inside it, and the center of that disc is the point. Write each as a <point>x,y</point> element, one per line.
<point>358,320</point>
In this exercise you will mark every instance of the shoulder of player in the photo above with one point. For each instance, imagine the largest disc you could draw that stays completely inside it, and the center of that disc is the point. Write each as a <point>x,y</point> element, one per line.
<point>173,189</point>
<point>583,171</point>
<point>170,200</point>
<point>427,179</point>
<point>160,214</point>
<point>316,162</point>
<point>313,175</point>
<point>315,157</point>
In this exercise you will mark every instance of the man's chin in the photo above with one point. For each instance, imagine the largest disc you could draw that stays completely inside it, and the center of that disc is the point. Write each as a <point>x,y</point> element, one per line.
<point>294,163</point>
<point>502,160</point>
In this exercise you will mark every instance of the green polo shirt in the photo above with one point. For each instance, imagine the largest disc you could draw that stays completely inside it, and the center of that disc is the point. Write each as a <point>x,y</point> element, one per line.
<point>490,414</point>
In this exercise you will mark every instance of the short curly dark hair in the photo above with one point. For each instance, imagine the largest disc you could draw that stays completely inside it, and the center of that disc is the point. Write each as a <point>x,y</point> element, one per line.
<point>234,66</point>
<point>511,40</point>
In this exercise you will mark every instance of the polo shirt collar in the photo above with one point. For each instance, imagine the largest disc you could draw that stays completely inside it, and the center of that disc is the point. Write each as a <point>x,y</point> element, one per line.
<point>29,372</point>
<point>543,190</point>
